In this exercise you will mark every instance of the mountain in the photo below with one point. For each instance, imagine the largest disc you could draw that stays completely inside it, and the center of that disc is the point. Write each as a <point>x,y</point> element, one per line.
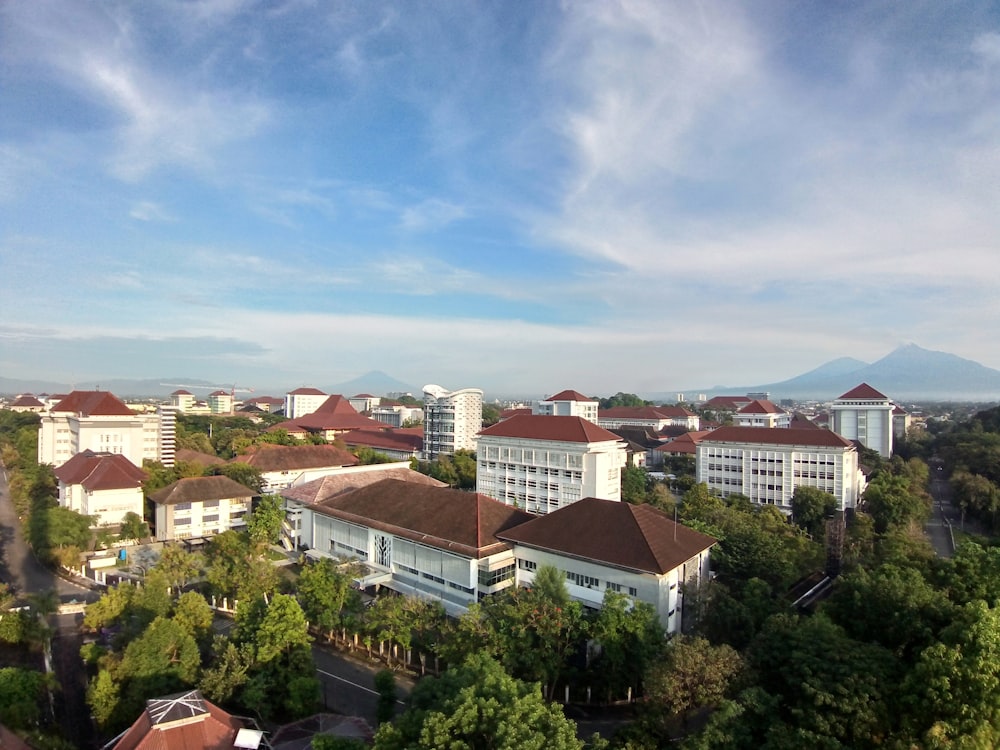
<point>907,373</point>
<point>374,382</point>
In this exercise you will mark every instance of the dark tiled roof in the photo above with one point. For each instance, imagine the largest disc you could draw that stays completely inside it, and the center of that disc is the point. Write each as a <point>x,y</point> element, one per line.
<point>290,457</point>
<point>644,412</point>
<point>636,537</point>
<point>864,391</point>
<point>384,439</point>
<point>727,402</point>
<point>336,413</point>
<point>93,404</point>
<point>778,436</point>
<point>101,471</point>
<point>801,422</point>
<point>570,396</point>
<point>463,522</point>
<point>200,489</point>
<point>543,427</point>
<point>319,490</point>
<point>185,721</point>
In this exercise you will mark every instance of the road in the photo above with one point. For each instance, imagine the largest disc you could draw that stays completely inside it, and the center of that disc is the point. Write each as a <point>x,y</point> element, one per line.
<point>943,515</point>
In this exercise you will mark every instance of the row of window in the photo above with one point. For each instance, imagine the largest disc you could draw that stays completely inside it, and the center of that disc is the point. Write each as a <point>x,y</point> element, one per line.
<point>580,579</point>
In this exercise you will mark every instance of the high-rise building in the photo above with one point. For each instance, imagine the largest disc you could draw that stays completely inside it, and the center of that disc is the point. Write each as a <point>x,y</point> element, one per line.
<point>865,415</point>
<point>568,404</point>
<point>452,419</point>
<point>303,401</point>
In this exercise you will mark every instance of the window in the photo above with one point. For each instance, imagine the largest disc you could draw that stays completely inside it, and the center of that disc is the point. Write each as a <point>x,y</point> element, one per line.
<point>210,519</point>
<point>581,580</point>
<point>182,506</point>
<point>613,586</point>
<point>181,521</point>
<point>493,577</point>
<point>527,565</point>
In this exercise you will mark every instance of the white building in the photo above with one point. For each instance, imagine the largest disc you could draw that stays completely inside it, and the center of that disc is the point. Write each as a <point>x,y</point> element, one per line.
<point>653,417</point>
<point>762,413</point>
<point>541,463</point>
<point>303,401</point>
<point>394,415</point>
<point>768,464</point>
<point>182,400</point>
<point>284,466</point>
<point>99,421</point>
<point>452,419</point>
<point>196,507</point>
<point>364,402</point>
<point>568,404</point>
<point>865,415</point>
<point>601,545</point>
<point>221,402</point>
<point>106,486</point>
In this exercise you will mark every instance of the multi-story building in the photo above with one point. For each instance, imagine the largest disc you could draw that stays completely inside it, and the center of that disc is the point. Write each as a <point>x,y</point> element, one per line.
<point>182,400</point>
<point>865,415</point>
<point>767,464</point>
<point>452,420</point>
<point>101,422</point>
<point>568,404</point>
<point>220,402</point>
<point>542,463</point>
<point>303,401</point>
<point>395,415</point>
<point>364,401</point>
<point>333,417</point>
<point>196,507</point>
<point>284,466</point>
<point>901,421</point>
<point>654,417</point>
<point>105,486</point>
<point>762,413</point>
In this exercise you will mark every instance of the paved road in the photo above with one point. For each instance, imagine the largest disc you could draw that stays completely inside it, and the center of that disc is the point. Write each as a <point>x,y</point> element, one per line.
<point>943,516</point>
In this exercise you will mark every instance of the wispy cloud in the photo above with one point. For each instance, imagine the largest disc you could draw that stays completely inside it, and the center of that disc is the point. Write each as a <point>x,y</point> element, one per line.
<point>150,211</point>
<point>430,215</point>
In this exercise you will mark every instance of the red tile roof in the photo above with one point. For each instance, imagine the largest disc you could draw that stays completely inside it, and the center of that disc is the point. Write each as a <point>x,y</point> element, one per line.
<point>761,406</point>
<point>219,393</point>
<point>101,471</point>
<point>686,443</point>
<point>290,457</point>
<point>322,489</point>
<point>182,392</point>
<point>27,400</point>
<point>508,413</point>
<point>543,427</point>
<point>778,436</point>
<point>570,396</point>
<point>727,402</point>
<point>384,439</point>
<point>644,412</point>
<point>93,404</point>
<point>463,522</point>
<point>306,392</point>
<point>200,489</point>
<point>636,537</point>
<point>185,721</point>
<point>336,413</point>
<point>864,391</point>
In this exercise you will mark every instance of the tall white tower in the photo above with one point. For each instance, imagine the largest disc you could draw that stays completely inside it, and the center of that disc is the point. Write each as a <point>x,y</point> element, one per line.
<point>452,419</point>
<point>865,415</point>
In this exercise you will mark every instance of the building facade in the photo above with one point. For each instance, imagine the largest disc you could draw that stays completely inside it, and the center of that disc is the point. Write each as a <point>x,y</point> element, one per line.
<point>762,413</point>
<point>865,415</point>
<point>767,464</point>
<point>568,404</point>
<point>540,463</point>
<point>452,420</point>
<point>303,401</point>
<point>196,507</point>
<point>653,417</point>
<point>106,486</point>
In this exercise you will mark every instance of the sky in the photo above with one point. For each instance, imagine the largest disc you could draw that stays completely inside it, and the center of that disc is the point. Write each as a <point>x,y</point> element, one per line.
<point>517,196</point>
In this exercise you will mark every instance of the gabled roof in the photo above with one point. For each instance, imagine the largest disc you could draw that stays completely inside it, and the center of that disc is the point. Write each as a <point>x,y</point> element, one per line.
<point>863,391</point>
<point>801,422</point>
<point>731,403</point>
<point>324,488</point>
<point>100,471</point>
<point>272,400</point>
<point>181,392</point>
<point>898,410</point>
<point>653,413</point>
<point>384,439</point>
<point>200,489</point>
<point>466,523</point>
<point>778,436</point>
<point>218,393</point>
<point>27,400</point>
<point>336,413</point>
<point>544,427</point>
<point>290,457</point>
<point>185,720</point>
<point>306,392</point>
<point>93,404</point>
<point>508,413</point>
<point>197,457</point>
<point>636,537</point>
<point>570,396</point>
<point>362,395</point>
<point>761,406</point>
<point>686,443</point>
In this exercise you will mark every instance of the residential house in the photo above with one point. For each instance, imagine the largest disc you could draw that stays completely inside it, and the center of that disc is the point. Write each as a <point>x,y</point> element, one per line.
<point>284,466</point>
<point>452,420</point>
<point>541,463</point>
<point>196,507</point>
<point>602,545</point>
<point>767,464</point>
<point>865,415</point>
<point>106,486</point>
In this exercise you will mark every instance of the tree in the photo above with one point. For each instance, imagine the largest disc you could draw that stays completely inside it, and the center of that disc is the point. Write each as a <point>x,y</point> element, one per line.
<point>478,705</point>
<point>628,636</point>
<point>264,524</point>
<point>634,485</point>
<point>228,671</point>
<point>22,694</point>
<point>891,502</point>
<point>368,455</point>
<point>103,697</point>
<point>622,399</point>
<point>324,592</point>
<point>248,476</point>
<point>235,570</point>
<point>133,527</point>
<point>179,565</point>
<point>385,686</point>
<point>550,583</point>
<point>193,613</point>
<point>810,509</point>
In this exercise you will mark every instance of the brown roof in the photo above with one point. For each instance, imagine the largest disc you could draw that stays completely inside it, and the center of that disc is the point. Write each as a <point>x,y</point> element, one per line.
<point>384,439</point>
<point>544,427</point>
<point>185,721</point>
<point>508,413</point>
<point>93,404</point>
<point>181,392</point>
<point>289,457</point>
<point>644,412</point>
<point>219,393</point>
<point>570,396</point>
<point>336,413</point>
<point>27,400</point>
<point>727,402</point>
<point>319,490</point>
<point>801,422</point>
<point>101,471</point>
<point>686,443</point>
<point>272,400</point>
<point>463,522</point>
<point>761,406</point>
<point>636,537</point>
<point>197,457</point>
<point>778,436</point>
<point>864,391</point>
<point>306,392</point>
<point>199,489</point>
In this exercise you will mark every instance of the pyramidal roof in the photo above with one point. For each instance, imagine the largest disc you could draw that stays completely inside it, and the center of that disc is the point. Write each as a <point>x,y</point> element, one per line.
<point>863,391</point>
<point>761,406</point>
<point>544,427</point>
<point>93,404</point>
<point>100,471</point>
<point>570,395</point>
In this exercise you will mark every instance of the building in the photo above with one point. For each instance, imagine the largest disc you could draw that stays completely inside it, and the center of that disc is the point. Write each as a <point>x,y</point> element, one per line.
<point>433,542</point>
<point>365,402</point>
<point>399,445</point>
<point>655,417</point>
<point>182,400</point>
<point>601,545</point>
<point>27,403</point>
<point>101,422</point>
<point>196,507</point>
<point>568,404</point>
<point>334,417</point>
<point>186,720</point>
<point>396,415</point>
<point>284,466</point>
<point>303,401</point>
<point>221,402</point>
<point>267,404</point>
<point>106,486</point>
<point>762,413</point>
<point>865,415</point>
<point>901,422</point>
<point>768,464</point>
<point>452,420</point>
<point>542,463</point>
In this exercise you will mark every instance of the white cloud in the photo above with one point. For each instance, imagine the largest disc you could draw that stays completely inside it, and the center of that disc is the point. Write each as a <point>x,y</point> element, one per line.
<point>150,211</point>
<point>430,215</point>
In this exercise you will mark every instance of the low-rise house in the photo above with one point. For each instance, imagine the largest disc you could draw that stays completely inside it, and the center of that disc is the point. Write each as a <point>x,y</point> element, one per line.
<point>601,545</point>
<point>284,466</point>
<point>197,507</point>
<point>106,486</point>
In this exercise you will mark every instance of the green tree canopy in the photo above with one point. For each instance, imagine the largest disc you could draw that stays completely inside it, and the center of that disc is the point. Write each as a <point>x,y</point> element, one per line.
<point>810,509</point>
<point>264,524</point>
<point>324,593</point>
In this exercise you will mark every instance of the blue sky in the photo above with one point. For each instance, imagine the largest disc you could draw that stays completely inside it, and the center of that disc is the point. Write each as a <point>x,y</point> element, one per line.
<point>519,196</point>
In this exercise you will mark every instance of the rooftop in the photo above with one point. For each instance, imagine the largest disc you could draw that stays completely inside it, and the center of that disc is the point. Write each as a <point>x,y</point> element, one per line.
<point>543,427</point>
